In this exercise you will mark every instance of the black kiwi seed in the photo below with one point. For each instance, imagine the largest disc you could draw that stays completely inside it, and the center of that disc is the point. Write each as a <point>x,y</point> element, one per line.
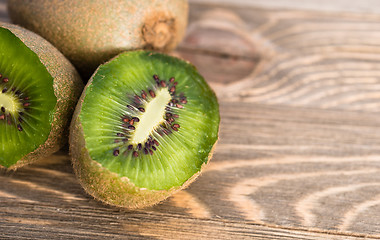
<point>143,94</point>
<point>152,94</point>
<point>116,152</point>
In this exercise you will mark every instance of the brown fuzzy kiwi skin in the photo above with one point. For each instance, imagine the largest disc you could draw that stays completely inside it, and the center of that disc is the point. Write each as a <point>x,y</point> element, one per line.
<point>67,86</point>
<point>107,186</point>
<point>91,32</point>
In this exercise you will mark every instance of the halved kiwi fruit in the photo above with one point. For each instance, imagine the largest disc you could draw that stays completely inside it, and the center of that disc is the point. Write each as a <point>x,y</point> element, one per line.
<point>143,128</point>
<point>38,92</point>
<point>90,32</point>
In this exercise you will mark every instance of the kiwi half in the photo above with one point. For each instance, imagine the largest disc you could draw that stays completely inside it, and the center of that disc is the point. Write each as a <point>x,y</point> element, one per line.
<point>143,128</point>
<point>38,92</point>
<point>90,32</point>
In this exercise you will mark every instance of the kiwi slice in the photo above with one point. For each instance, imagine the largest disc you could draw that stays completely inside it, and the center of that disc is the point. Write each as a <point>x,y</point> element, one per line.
<point>144,127</point>
<point>90,32</point>
<point>38,92</point>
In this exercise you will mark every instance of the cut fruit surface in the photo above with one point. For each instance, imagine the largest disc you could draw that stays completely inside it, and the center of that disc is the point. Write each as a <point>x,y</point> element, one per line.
<point>27,99</point>
<point>149,118</point>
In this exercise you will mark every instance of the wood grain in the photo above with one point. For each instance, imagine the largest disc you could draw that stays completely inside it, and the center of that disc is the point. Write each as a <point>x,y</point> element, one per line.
<point>298,155</point>
<point>363,6</point>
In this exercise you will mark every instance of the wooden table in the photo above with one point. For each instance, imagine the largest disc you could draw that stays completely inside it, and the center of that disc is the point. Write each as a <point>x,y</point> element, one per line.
<point>299,149</point>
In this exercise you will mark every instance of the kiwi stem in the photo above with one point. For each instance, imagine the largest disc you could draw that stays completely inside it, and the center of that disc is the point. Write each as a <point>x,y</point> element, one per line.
<point>158,32</point>
<point>163,35</point>
<point>152,117</point>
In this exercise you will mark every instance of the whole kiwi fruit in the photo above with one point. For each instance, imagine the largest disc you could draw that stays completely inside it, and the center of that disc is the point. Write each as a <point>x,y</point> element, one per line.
<point>39,88</point>
<point>90,32</point>
<point>144,128</point>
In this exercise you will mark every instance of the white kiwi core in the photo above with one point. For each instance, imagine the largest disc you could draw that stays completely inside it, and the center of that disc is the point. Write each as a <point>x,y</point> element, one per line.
<point>10,103</point>
<point>152,117</point>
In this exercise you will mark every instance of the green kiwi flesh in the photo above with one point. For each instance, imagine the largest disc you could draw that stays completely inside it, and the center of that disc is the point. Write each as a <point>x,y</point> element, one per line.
<point>90,32</point>
<point>38,90</point>
<point>144,127</point>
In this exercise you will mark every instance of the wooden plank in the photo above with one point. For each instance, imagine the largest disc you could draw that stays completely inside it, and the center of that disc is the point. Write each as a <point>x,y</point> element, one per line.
<point>45,200</point>
<point>298,154</point>
<point>292,58</point>
<point>3,12</point>
<point>363,6</point>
